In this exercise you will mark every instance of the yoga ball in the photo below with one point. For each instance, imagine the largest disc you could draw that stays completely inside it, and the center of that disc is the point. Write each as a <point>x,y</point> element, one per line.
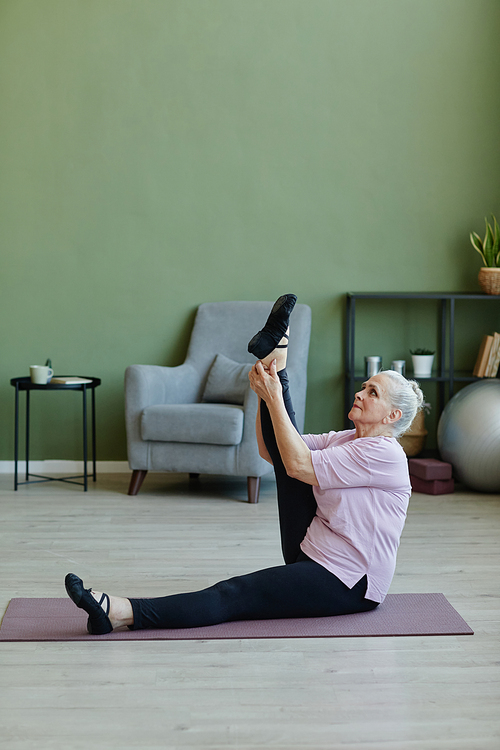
<point>469,435</point>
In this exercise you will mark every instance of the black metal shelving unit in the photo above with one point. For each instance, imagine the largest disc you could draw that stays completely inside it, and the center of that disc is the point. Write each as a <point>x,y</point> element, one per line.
<point>446,376</point>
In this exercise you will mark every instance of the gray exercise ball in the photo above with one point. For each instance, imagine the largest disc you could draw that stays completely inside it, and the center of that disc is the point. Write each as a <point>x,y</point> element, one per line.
<point>469,435</point>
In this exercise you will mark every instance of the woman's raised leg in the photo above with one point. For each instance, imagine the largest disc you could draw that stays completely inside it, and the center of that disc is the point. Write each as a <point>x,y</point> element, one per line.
<point>296,502</point>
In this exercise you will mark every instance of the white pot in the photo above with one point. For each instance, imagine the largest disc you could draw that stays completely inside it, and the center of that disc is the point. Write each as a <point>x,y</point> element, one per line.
<point>422,365</point>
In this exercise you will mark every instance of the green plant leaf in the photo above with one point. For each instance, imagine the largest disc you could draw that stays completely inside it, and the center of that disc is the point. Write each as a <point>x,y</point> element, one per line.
<point>477,244</point>
<point>488,237</point>
<point>489,241</point>
<point>496,243</point>
<point>422,352</point>
<point>496,233</point>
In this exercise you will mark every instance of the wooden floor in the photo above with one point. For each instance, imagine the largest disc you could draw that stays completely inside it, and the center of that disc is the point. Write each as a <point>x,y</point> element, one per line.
<point>359,693</point>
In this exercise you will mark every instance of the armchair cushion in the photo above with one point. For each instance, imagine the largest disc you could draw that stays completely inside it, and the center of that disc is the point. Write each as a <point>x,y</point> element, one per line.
<point>227,382</point>
<point>215,424</point>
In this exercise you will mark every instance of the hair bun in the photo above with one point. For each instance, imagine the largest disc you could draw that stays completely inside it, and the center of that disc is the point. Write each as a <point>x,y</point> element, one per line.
<point>418,393</point>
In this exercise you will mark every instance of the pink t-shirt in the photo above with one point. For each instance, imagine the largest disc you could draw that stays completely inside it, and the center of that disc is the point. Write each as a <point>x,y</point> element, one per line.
<point>362,498</point>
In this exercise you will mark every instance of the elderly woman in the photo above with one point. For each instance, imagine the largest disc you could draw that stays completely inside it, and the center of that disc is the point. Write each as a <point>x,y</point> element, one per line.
<point>342,499</point>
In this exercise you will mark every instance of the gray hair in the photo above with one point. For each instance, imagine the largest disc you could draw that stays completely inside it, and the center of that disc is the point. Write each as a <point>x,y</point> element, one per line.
<point>405,395</point>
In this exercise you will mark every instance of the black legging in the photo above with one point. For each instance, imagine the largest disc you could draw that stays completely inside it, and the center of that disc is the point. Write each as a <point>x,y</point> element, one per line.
<point>300,588</point>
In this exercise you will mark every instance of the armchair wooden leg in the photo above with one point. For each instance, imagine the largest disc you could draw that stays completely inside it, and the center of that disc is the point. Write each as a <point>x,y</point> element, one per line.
<point>136,480</point>
<point>253,484</point>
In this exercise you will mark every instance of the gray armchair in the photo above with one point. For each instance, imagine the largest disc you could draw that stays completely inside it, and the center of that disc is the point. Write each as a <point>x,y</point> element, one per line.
<point>199,417</point>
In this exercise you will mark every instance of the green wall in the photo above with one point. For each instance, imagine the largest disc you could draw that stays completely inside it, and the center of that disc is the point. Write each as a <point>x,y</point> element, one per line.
<point>156,154</point>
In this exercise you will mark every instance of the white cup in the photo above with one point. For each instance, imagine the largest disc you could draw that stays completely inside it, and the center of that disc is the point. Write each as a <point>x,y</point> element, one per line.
<point>41,375</point>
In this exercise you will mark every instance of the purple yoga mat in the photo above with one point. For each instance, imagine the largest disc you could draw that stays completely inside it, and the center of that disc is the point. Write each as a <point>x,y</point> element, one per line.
<point>398,615</point>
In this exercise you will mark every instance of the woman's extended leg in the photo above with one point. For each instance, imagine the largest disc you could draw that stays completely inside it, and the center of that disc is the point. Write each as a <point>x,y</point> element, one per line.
<point>304,589</point>
<point>296,502</point>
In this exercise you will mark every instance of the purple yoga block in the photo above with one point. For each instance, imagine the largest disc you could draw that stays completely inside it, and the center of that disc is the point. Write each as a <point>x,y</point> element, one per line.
<point>432,486</point>
<point>429,468</point>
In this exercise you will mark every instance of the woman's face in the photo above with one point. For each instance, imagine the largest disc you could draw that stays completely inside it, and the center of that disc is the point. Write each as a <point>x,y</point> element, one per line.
<point>372,406</point>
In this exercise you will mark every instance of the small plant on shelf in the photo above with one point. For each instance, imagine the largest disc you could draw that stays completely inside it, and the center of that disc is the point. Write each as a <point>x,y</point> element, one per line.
<point>489,248</point>
<point>423,360</point>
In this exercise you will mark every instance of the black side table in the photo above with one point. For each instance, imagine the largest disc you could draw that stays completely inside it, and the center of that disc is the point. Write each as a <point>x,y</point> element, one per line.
<point>25,384</point>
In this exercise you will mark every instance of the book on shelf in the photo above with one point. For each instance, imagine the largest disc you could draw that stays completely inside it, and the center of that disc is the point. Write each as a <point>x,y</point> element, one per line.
<point>483,357</point>
<point>70,380</point>
<point>494,358</point>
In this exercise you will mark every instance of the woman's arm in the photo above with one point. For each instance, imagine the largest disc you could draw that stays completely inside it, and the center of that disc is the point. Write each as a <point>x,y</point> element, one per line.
<point>295,454</point>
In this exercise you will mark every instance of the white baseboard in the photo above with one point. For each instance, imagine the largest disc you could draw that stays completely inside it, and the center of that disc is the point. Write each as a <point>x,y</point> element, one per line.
<point>56,466</point>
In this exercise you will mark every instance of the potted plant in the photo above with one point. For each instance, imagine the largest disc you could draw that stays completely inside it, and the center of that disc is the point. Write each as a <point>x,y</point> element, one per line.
<point>489,250</point>
<point>422,362</point>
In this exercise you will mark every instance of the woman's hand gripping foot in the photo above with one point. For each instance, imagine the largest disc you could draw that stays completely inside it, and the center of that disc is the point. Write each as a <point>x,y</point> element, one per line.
<point>265,381</point>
